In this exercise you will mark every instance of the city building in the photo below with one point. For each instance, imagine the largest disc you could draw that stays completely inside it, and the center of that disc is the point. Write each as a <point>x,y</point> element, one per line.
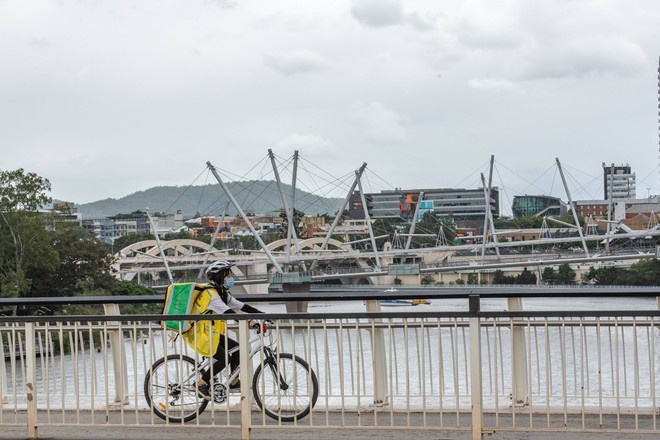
<point>540,206</point>
<point>592,208</point>
<point>110,228</point>
<point>619,182</point>
<point>400,205</point>
<point>65,211</point>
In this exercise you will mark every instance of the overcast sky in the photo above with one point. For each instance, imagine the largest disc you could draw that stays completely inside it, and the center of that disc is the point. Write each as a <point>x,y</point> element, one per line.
<point>108,98</point>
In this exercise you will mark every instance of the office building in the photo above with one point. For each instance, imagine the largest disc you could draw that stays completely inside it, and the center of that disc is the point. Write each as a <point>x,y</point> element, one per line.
<point>619,181</point>
<point>539,206</point>
<point>400,205</point>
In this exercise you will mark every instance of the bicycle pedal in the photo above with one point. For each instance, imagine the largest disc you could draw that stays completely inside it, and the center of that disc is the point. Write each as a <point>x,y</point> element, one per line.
<point>219,393</point>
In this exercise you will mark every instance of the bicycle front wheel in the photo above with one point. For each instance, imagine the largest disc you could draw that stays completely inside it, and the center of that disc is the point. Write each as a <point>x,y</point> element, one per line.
<point>170,390</point>
<point>285,387</point>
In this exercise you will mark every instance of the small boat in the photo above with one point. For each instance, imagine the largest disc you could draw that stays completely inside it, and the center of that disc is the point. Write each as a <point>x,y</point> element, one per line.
<point>396,302</point>
<point>403,302</point>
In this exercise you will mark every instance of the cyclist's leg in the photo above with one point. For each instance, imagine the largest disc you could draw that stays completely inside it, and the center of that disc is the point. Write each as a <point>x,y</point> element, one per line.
<point>234,360</point>
<point>220,358</point>
<point>235,357</point>
<point>218,363</point>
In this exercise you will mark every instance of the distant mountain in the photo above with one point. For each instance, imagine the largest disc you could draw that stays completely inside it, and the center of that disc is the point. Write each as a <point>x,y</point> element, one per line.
<point>259,197</point>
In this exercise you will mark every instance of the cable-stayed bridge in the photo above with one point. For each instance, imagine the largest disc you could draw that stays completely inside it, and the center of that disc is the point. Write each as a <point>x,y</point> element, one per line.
<point>324,259</point>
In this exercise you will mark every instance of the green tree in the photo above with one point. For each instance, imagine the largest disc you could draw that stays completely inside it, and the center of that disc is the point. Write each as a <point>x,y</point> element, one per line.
<point>22,230</point>
<point>129,288</point>
<point>565,274</point>
<point>549,275</point>
<point>526,277</point>
<point>84,264</point>
<point>126,240</point>
<point>500,278</point>
<point>645,273</point>
<point>432,226</point>
<point>297,220</point>
<point>382,227</point>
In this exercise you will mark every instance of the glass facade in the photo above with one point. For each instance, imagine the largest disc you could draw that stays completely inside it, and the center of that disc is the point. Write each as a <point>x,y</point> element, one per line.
<point>524,206</point>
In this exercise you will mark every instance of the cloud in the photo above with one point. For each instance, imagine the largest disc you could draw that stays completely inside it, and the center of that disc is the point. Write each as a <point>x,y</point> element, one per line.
<point>380,124</point>
<point>223,4</point>
<point>486,26</point>
<point>587,57</point>
<point>25,11</point>
<point>306,144</point>
<point>494,85</point>
<point>377,13</point>
<point>298,61</point>
<point>422,22</point>
<point>39,43</point>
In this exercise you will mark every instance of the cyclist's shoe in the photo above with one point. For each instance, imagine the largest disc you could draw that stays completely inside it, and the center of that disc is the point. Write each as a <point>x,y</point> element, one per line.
<point>204,391</point>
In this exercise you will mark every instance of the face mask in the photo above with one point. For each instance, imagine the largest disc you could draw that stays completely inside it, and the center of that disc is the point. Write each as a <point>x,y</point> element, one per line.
<point>229,282</point>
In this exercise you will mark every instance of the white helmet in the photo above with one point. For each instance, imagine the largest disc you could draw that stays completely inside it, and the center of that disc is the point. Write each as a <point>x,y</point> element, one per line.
<point>217,269</point>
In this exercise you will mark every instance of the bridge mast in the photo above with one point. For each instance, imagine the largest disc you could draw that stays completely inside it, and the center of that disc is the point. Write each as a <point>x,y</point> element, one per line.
<point>160,248</point>
<point>572,205</point>
<point>414,220</point>
<point>244,217</point>
<point>358,174</point>
<point>368,220</point>
<point>488,218</point>
<point>214,238</point>
<point>289,210</point>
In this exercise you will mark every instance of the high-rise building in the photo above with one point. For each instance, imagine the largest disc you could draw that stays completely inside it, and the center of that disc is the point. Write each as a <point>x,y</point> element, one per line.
<point>619,181</point>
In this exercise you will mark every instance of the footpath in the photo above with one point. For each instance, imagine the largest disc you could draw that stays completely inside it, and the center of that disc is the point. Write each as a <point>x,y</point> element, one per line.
<point>168,432</point>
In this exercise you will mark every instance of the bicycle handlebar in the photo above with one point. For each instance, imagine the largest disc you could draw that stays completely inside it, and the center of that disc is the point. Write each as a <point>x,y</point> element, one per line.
<point>262,327</point>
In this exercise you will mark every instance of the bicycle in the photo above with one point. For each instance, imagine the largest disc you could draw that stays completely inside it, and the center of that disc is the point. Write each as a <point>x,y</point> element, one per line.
<point>283,384</point>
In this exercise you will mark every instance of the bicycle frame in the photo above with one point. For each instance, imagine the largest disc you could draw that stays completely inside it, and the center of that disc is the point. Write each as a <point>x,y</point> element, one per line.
<point>256,346</point>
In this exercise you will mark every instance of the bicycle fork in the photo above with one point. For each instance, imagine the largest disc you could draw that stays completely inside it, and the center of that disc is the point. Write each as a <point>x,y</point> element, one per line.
<point>271,361</point>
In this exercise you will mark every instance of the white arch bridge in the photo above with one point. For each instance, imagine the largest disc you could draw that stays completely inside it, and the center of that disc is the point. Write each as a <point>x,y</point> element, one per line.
<point>308,260</point>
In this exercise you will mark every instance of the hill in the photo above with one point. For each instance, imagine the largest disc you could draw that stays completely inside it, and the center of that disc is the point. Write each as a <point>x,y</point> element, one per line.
<point>259,197</point>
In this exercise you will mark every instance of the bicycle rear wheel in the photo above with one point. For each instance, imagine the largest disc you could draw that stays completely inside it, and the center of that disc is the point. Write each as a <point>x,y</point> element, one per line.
<point>285,387</point>
<point>170,390</point>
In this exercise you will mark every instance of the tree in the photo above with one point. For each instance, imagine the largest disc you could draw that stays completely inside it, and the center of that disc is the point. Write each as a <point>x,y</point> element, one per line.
<point>526,277</point>
<point>382,227</point>
<point>500,278</point>
<point>645,273</point>
<point>126,240</point>
<point>549,275</point>
<point>565,274</point>
<point>431,225</point>
<point>22,230</point>
<point>84,264</point>
<point>297,219</point>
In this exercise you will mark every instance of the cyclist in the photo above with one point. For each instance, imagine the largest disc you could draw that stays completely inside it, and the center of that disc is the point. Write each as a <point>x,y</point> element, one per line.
<point>220,275</point>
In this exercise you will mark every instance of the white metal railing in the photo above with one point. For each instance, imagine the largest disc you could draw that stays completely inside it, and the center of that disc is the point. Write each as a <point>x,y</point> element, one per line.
<point>588,373</point>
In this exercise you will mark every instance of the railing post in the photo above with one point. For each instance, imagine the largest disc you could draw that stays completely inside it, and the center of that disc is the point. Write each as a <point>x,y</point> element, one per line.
<point>118,357</point>
<point>3,375</point>
<point>379,359</point>
<point>31,379</point>
<point>244,376</point>
<point>475,369</point>
<point>519,393</point>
